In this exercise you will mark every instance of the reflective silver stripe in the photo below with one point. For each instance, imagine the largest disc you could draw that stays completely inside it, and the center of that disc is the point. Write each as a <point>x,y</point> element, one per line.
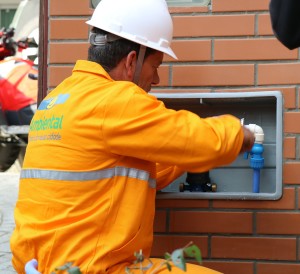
<point>88,175</point>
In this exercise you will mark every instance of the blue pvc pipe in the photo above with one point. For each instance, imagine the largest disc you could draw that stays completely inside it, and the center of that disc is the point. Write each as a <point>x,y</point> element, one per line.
<point>256,180</point>
<point>256,163</point>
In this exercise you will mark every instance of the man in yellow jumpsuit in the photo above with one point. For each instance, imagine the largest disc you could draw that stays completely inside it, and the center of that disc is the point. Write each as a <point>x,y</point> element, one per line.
<point>100,146</point>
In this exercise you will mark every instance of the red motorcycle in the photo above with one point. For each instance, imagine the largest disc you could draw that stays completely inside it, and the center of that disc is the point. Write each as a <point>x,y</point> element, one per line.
<point>18,96</point>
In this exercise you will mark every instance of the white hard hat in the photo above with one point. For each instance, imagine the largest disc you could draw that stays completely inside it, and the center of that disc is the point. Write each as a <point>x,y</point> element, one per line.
<point>146,22</point>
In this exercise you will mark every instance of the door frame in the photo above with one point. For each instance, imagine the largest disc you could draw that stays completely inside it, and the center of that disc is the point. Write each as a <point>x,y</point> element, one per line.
<point>43,51</point>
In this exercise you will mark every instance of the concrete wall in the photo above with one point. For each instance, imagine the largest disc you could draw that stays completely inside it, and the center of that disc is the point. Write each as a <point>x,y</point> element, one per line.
<point>227,47</point>
<point>4,4</point>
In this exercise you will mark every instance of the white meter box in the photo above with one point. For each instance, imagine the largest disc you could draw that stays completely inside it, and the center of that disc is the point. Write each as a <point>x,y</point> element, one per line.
<point>237,180</point>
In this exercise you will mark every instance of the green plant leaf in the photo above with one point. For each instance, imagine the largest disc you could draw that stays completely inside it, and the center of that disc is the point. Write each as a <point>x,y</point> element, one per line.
<point>127,270</point>
<point>178,259</point>
<point>169,267</point>
<point>64,267</point>
<point>168,256</point>
<point>194,252</point>
<point>139,257</point>
<point>74,270</point>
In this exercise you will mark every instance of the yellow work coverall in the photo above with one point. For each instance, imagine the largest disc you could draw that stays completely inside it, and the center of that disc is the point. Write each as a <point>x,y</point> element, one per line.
<point>90,174</point>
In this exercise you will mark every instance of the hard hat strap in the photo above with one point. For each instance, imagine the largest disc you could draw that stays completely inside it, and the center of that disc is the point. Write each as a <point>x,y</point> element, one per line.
<point>139,64</point>
<point>97,39</point>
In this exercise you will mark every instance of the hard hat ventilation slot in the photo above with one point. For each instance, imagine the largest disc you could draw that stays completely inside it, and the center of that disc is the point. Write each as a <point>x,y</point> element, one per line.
<point>140,39</point>
<point>164,43</point>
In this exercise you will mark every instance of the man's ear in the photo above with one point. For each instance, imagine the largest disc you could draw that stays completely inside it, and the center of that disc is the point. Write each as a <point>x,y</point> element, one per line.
<point>130,65</point>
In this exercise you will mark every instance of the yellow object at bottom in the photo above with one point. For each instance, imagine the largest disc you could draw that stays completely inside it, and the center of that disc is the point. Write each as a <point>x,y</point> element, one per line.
<point>158,267</point>
<point>147,267</point>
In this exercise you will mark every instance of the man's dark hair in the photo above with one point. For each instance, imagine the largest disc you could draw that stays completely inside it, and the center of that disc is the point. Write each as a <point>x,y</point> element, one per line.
<point>111,53</point>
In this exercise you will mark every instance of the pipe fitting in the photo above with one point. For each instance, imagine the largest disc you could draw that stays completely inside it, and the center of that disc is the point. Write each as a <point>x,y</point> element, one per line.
<point>258,133</point>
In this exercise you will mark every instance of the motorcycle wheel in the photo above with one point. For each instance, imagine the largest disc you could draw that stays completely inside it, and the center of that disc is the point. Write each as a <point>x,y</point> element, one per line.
<point>9,153</point>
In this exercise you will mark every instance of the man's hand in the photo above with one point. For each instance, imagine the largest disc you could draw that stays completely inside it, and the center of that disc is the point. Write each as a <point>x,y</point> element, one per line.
<point>249,139</point>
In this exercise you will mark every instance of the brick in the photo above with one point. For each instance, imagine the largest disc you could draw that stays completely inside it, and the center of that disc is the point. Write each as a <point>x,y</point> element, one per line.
<point>292,122</point>
<point>291,173</point>
<point>56,74</point>
<point>213,25</point>
<point>277,268</point>
<point>230,267</point>
<point>192,10</point>
<point>264,25</point>
<point>68,52</point>
<point>213,75</point>
<point>286,202</point>
<point>289,95</point>
<point>168,243</point>
<point>298,198</point>
<point>278,73</point>
<point>69,7</point>
<point>298,241</point>
<point>68,29</point>
<point>258,248</point>
<point>239,5</point>
<point>276,223</point>
<point>289,148</point>
<point>211,222</point>
<point>160,221</point>
<point>298,99</point>
<point>194,50</point>
<point>251,49</point>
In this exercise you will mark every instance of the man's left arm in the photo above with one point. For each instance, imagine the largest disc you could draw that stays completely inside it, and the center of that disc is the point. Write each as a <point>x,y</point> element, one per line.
<point>166,175</point>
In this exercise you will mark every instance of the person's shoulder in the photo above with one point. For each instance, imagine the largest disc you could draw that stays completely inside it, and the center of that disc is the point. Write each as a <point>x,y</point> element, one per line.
<point>129,86</point>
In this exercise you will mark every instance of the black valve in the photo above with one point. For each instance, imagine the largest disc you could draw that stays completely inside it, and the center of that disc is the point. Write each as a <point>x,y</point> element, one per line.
<point>198,182</point>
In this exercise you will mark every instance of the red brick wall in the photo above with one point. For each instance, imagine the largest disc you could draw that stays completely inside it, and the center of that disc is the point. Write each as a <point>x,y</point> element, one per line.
<point>228,47</point>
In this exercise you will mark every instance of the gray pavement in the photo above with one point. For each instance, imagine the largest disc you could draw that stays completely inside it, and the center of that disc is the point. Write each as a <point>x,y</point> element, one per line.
<point>9,182</point>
